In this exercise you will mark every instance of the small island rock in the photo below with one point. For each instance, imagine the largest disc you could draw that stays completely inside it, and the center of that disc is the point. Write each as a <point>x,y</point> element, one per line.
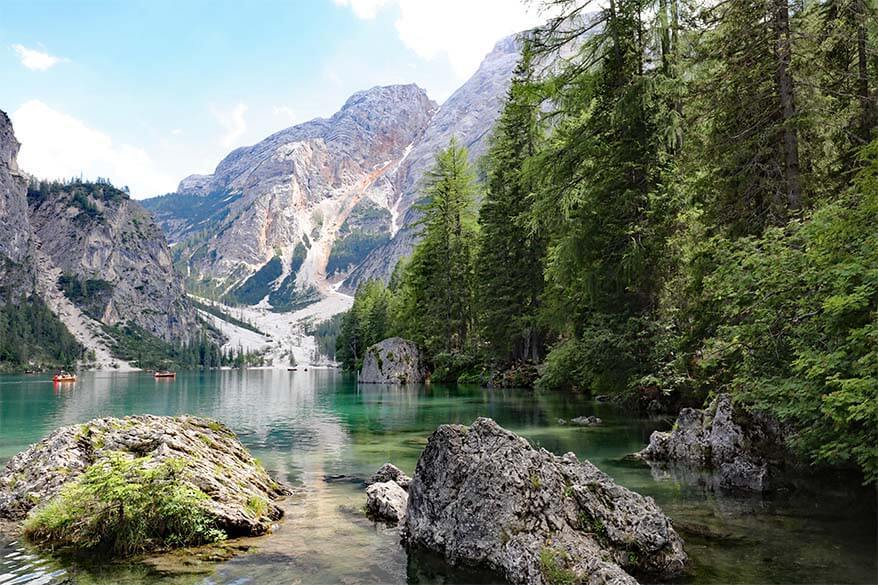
<point>483,495</point>
<point>393,361</point>
<point>744,449</point>
<point>240,494</point>
<point>390,472</point>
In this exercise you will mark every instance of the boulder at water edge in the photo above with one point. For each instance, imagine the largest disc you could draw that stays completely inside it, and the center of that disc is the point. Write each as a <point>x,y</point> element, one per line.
<point>390,472</point>
<point>483,495</point>
<point>393,361</point>
<point>207,459</point>
<point>744,450</point>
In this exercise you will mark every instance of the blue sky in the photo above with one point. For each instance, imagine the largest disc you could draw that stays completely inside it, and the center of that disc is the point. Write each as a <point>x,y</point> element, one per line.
<point>148,91</point>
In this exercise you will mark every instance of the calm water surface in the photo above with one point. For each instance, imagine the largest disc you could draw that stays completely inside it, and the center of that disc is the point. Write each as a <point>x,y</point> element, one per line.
<point>322,433</point>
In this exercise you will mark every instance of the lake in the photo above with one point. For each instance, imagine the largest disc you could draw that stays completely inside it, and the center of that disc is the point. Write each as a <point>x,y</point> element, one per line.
<point>322,433</point>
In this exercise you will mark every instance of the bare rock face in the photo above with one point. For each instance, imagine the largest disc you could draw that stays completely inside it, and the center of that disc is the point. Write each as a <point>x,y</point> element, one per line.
<point>386,501</point>
<point>393,361</point>
<point>15,234</point>
<point>216,463</point>
<point>743,449</point>
<point>482,495</point>
<point>468,115</point>
<point>115,259</point>
<point>288,198</point>
<point>330,198</point>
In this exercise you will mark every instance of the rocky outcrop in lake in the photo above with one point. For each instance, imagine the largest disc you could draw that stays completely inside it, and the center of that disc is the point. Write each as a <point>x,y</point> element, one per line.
<point>393,361</point>
<point>387,494</point>
<point>743,450</point>
<point>484,496</point>
<point>241,497</point>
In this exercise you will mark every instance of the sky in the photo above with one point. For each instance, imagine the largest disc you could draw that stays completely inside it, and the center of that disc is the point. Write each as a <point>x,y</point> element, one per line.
<point>145,92</point>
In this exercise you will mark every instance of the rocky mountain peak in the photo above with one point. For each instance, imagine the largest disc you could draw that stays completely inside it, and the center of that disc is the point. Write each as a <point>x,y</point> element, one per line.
<point>8,144</point>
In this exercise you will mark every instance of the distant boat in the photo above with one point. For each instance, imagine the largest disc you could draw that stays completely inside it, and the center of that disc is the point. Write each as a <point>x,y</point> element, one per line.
<point>292,369</point>
<point>64,377</point>
<point>165,374</point>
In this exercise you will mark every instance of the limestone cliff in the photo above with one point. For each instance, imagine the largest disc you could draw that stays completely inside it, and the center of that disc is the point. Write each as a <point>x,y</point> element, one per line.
<point>272,216</point>
<point>16,274</point>
<point>113,261</point>
<point>327,200</point>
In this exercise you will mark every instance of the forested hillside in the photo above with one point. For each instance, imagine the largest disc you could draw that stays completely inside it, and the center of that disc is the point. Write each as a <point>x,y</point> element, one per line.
<point>685,206</point>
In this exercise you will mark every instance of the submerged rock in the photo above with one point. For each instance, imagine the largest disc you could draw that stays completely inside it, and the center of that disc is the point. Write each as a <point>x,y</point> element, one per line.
<point>482,495</point>
<point>743,449</point>
<point>586,421</point>
<point>386,501</point>
<point>390,472</point>
<point>393,361</point>
<point>240,494</point>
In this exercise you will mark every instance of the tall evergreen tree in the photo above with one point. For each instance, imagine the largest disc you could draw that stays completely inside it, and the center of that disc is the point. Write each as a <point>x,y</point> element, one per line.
<point>511,255</point>
<point>438,286</point>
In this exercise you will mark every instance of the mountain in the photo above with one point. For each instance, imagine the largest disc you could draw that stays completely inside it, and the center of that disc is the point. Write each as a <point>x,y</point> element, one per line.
<point>326,201</point>
<point>113,259</point>
<point>468,115</point>
<point>76,258</point>
<point>15,235</point>
<point>275,217</point>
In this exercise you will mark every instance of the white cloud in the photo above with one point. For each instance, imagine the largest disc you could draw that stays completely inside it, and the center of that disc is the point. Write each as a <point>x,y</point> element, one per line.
<point>232,121</point>
<point>285,112</point>
<point>177,132</point>
<point>56,145</point>
<point>36,60</point>
<point>435,28</point>
<point>366,9</point>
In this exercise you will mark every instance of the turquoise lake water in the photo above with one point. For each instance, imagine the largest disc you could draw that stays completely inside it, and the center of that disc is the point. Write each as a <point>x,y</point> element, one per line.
<point>322,433</point>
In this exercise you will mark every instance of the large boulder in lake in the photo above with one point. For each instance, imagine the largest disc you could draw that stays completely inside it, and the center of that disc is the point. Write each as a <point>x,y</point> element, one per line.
<point>483,495</point>
<point>200,458</point>
<point>393,361</point>
<point>742,450</point>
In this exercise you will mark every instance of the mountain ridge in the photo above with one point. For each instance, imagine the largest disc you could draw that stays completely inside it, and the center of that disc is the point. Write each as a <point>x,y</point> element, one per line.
<point>342,203</point>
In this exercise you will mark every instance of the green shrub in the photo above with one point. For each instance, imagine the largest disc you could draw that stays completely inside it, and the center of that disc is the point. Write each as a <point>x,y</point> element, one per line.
<point>125,506</point>
<point>552,567</point>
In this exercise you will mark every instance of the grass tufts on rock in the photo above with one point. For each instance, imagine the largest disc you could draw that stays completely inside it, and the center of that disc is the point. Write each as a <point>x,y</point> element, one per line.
<point>125,506</point>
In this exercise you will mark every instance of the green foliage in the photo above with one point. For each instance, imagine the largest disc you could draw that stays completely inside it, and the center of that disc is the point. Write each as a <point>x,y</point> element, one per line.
<point>435,302</point>
<point>224,315</point>
<point>352,249</point>
<point>255,288</point>
<point>788,322</point>
<point>145,350</point>
<point>326,334</point>
<point>92,294</point>
<point>31,336</point>
<point>510,259</point>
<point>552,566</point>
<point>367,323</point>
<point>125,506</point>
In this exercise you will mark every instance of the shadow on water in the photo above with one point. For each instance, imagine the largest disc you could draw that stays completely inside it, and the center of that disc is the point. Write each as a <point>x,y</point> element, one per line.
<point>324,434</point>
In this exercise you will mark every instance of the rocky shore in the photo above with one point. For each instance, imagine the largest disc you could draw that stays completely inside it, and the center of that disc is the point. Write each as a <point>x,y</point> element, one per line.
<point>742,450</point>
<point>198,459</point>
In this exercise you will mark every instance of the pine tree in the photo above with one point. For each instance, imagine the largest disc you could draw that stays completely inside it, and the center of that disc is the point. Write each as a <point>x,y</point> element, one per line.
<point>511,256</point>
<point>438,286</point>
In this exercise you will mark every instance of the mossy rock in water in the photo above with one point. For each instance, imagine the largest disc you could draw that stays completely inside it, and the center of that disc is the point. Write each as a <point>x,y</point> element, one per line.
<point>138,484</point>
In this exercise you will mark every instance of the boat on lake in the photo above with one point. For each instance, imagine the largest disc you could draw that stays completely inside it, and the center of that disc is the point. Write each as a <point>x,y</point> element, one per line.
<point>64,377</point>
<point>164,374</point>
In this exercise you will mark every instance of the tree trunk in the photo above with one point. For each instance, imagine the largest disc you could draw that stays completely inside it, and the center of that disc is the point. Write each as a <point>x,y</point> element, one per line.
<point>787,103</point>
<point>866,105</point>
